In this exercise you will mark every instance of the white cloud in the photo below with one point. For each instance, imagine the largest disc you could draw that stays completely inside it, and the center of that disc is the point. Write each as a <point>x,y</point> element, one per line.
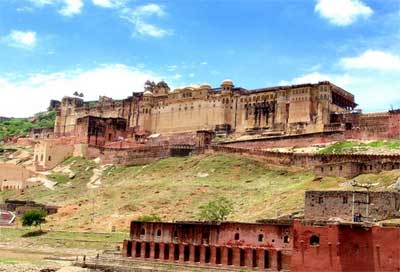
<point>342,12</point>
<point>66,7</point>
<point>373,92</point>
<point>148,10</point>
<point>374,60</point>
<point>172,68</point>
<point>109,3</point>
<point>139,16</point>
<point>117,81</point>
<point>316,77</point>
<point>71,7</point>
<point>42,2</point>
<point>191,75</point>
<point>21,39</point>
<point>147,29</point>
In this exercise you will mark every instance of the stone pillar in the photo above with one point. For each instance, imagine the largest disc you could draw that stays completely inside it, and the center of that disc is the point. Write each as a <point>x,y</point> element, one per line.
<point>236,256</point>
<point>171,253</point>
<point>224,256</point>
<point>134,249</point>
<point>162,246</point>
<point>191,254</point>
<point>143,250</point>
<point>152,247</point>
<point>213,255</point>
<point>181,253</point>
<point>248,257</point>
<point>125,248</point>
<point>202,254</point>
<point>273,260</point>
<point>260,262</point>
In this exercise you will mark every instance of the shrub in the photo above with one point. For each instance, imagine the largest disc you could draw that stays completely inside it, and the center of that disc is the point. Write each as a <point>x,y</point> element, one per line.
<point>216,210</point>
<point>34,218</point>
<point>149,218</point>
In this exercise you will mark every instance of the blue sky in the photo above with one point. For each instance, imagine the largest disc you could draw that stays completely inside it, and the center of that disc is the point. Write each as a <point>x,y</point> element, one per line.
<point>51,48</point>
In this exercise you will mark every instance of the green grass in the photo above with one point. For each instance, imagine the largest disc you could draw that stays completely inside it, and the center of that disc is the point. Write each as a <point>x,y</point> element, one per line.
<point>21,126</point>
<point>84,240</point>
<point>175,188</point>
<point>351,147</point>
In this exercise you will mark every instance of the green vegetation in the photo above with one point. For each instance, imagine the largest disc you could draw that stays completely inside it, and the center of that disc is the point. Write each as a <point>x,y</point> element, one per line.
<point>352,147</point>
<point>63,239</point>
<point>149,218</point>
<point>175,189</point>
<point>34,218</point>
<point>21,126</point>
<point>216,210</point>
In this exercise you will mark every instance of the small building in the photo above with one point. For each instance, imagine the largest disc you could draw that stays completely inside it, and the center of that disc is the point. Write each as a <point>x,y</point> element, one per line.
<point>351,205</point>
<point>48,154</point>
<point>21,206</point>
<point>41,133</point>
<point>14,177</point>
<point>99,131</point>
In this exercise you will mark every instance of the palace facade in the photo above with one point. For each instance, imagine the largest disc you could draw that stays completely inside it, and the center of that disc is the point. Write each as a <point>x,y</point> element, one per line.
<point>283,110</point>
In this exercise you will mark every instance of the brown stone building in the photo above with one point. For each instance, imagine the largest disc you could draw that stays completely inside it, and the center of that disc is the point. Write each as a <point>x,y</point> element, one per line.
<point>280,110</point>
<point>349,206</point>
<point>14,177</point>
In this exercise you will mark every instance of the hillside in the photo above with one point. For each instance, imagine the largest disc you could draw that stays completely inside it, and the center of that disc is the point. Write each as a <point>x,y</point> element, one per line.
<point>174,189</point>
<point>21,126</point>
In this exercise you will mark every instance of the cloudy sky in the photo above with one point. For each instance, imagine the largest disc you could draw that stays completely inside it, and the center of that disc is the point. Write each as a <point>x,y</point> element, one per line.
<point>52,48</point>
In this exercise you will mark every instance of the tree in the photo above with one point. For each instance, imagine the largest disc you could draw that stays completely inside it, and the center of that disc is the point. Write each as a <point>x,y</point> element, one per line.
<point>216,210</point>
<point>34,218</point>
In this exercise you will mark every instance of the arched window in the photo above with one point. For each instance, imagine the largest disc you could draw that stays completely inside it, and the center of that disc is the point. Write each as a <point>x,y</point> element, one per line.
<point>314,240</point>
<point>261,237</point>
<point>286,239</point>
<point>159,233</point>
<point>143,231</point>
<point>237,236</point>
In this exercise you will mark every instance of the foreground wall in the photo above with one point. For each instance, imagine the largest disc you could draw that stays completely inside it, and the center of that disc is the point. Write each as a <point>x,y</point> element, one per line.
<point>240,245</point>
<point>345,248</point>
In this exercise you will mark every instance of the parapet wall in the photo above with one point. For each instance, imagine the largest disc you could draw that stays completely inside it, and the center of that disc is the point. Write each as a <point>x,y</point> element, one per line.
<point>129,156</point>
<point>331,164</point>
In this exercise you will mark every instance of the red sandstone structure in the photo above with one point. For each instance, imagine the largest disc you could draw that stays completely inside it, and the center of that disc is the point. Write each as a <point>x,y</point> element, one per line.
<point>305,244</point>
<point>159,122</point>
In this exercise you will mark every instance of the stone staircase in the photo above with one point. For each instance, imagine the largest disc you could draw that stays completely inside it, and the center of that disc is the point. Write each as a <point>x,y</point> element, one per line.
<point>6,218</point>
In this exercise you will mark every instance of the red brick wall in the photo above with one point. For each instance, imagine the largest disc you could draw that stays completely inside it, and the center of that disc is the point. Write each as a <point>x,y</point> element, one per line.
<point>346,248</point>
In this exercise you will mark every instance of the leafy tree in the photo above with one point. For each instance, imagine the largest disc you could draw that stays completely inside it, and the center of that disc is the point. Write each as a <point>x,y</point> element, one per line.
<point>34,218</point>
<point>216,210</point>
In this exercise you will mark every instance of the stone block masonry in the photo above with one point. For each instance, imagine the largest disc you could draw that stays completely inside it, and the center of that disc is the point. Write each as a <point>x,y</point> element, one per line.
<point>129,156</point>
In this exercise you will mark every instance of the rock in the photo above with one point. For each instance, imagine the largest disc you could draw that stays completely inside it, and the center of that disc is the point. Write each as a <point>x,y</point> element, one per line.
<point>202,175</point>
<point>397,185</point>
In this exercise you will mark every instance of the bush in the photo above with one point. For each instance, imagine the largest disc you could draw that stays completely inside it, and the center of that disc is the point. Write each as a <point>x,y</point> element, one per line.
<point>149,218</point>
<point>34,218</point>
<point>217,210</point>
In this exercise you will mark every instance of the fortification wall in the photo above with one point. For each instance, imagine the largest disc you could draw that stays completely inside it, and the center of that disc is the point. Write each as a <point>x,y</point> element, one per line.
<point>345,248</point>
<point>332,164</point>
<point>128,156</point>
<point>377,206</point>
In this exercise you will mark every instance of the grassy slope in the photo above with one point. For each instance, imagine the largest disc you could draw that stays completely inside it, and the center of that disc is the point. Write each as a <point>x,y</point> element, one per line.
<point>353,147</point>
<point>174,189</point>
<point>21,126</point>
